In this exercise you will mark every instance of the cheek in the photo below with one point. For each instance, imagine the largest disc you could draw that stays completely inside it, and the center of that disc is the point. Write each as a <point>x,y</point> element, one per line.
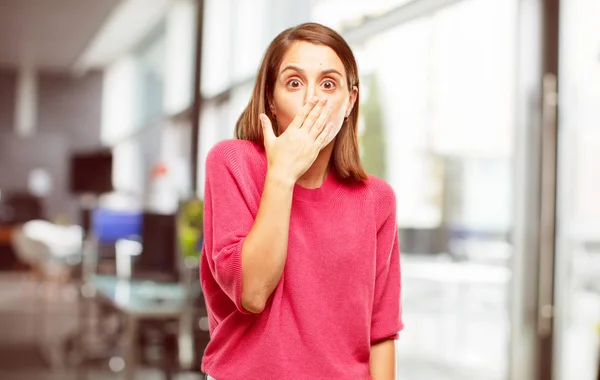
<point>286,108</point>
<point>338,112</point>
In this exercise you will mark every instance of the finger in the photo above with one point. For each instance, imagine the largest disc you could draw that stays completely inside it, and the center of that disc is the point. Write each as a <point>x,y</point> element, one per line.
<point>314,114</point>
<point>325,136</point>
<point>267,127</point>
<point>304,112</point>
<point>321,122</point>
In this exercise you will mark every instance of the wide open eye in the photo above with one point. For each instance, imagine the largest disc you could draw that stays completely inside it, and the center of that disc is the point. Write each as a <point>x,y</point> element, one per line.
<point>328,85</point>
<point>294,83</point>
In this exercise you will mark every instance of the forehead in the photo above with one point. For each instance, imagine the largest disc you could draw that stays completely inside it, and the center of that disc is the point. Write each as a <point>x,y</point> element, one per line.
<point>310,57</point>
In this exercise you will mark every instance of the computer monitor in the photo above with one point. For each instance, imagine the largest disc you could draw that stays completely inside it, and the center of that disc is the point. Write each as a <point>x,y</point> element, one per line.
<point>91,173</point>
<point>159,258</point>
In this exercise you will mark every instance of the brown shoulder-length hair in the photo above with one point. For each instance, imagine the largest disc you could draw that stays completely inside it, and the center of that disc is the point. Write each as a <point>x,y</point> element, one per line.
<point>346,156</point>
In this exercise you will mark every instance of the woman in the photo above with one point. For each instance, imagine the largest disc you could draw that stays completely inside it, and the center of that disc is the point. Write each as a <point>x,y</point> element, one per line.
<point>300,266</point>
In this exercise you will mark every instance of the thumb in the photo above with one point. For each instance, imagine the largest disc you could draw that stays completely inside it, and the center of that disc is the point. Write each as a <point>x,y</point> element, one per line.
<point>267,127</point>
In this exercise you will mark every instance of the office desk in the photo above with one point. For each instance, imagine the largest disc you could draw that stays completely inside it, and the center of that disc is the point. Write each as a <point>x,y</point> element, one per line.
<point>139,300</point>
<point>142,298</point>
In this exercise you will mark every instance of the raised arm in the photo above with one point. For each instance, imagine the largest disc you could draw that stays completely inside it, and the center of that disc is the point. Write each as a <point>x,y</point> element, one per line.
<point>289,156</point>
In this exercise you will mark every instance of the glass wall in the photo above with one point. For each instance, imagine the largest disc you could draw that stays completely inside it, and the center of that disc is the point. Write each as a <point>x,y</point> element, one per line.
<point>577,283</point>
<point>439,91</point>
<point>437,122</point>
<point>147,93</point>
<point>438,114</point>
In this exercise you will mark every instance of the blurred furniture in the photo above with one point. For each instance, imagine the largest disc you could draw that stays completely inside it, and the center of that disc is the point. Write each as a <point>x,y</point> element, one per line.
<point>145,290</point>
<point>193,334</point>
<point>50,249</point>
<point>159,259</point>
<point>20,207</point>
<point>53,252</point>
<point>106,228</point>
<point>15,208</point>
<point>109,225</point>
<point>155,297</point>
<point>139,301</point>
<point>152,315</point>
<point>423,240</point>
<point>141,298</point>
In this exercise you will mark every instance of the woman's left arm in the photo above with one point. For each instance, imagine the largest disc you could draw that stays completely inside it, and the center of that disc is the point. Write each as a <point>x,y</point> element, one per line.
<point>383,360</point>
<point>386,317</point>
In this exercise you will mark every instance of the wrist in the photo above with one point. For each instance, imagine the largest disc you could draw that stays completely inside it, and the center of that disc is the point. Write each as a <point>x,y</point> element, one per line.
<point>280,178</point>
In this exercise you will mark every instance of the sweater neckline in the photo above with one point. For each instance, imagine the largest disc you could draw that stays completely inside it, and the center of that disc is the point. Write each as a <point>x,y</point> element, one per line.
<point>327,188</point>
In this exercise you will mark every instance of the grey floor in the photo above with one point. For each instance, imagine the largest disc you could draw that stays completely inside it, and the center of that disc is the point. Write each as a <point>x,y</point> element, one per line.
<point>423,353</point>
<point>21,331</point>
<point>456,327</point>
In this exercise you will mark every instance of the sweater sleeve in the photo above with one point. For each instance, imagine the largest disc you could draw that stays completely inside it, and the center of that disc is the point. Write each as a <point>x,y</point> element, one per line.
<point>227,219</point>
<point>386,319</point>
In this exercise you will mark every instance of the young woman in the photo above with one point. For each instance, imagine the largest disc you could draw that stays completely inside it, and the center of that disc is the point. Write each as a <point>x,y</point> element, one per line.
<point>300,267</point>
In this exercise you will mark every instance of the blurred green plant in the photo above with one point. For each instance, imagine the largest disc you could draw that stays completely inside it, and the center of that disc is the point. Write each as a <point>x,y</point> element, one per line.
<point>189,227</point>
<point>373,138</point>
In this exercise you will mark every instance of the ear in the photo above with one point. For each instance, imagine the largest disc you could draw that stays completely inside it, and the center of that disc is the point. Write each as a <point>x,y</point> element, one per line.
<point>271,104</point>
<point>352,101</point>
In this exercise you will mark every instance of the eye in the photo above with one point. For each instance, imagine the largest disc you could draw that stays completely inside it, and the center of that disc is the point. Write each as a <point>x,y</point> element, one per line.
<point>294,83</point>
<point>328,85</point>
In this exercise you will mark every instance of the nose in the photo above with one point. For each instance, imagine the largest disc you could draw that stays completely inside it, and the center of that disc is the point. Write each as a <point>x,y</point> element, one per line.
<point>311,91</point>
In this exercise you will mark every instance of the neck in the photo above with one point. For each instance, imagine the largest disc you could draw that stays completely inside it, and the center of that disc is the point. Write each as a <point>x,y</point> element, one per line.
<point>316,174</point>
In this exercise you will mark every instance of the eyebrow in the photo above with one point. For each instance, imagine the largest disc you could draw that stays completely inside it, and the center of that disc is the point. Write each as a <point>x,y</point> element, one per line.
<point>324,72</point>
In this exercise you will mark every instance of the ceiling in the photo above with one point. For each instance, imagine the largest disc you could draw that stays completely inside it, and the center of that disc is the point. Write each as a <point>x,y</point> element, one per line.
<point>49,34</point>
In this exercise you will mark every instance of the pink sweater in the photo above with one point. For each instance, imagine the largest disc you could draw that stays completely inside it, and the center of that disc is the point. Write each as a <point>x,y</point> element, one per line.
<point>340,289</point>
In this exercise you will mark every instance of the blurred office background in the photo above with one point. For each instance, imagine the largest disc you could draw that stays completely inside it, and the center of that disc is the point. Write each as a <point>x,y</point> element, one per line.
<point>108,109</point>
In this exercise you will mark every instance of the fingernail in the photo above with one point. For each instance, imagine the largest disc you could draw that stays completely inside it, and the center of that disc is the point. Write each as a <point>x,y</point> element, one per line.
<point>314,99</point>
